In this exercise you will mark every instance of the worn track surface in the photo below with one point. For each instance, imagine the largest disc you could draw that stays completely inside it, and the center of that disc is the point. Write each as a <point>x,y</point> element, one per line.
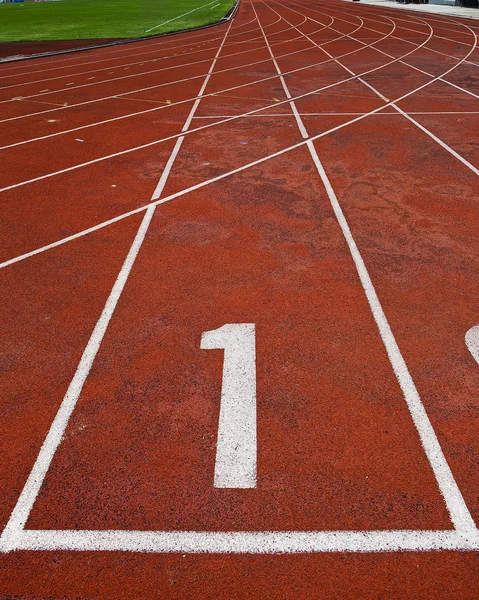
<point>308,167</point>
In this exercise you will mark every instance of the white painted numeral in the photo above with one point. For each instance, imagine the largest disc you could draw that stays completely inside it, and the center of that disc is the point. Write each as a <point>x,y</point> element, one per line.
<point>236,448</point>
<point>472,341</point>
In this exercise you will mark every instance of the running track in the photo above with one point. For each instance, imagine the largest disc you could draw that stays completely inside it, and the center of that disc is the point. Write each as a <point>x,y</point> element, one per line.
<point>309,168</point>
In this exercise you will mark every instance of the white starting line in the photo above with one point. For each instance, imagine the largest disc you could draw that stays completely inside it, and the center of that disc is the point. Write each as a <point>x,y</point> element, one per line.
<point>246,542</point>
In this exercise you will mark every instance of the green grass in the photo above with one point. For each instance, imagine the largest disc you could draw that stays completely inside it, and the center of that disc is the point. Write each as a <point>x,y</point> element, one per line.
<point>89,19</point>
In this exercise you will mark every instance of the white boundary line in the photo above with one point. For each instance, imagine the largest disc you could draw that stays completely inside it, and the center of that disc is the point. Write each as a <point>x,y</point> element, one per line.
<point>251,542</point>
<point>130,76</point>
<point>219,177</point>
<point>151,87</point>
<point>218,542</point>
<point>196,37</point>
<point>179,16</point>
<point>233,117</point>
<point>21,511</point>
<point>453,498</point>
<point>470,93</point>
<point>140,62</point>
<point>191,44</point>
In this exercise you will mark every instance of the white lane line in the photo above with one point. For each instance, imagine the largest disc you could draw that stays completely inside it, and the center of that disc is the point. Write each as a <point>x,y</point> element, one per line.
<point>151,87</point>
<point>232,118</point>
<point>236,447</point>
<point>350,114</point>
<point>29,493</point>
<point>472,342</point>
<point>451,151</point>
<point>219,177</point>
<point>459,513</point>
<point>165,44</point>
<point>21,511</point>
<point>409,41</point>
<point>470,93</point>
<point>407,114</point>
<point>137,113</point>
<point>245,542</point>
<point>130,213</point>
<point>179,16</point>
<point>193,50</point>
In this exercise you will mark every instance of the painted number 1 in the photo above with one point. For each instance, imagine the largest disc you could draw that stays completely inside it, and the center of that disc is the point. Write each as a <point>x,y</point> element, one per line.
<point>236,451</point>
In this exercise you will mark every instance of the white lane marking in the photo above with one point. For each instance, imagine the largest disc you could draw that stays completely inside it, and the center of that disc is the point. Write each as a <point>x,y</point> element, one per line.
<point>151,87</point>
<point>197,186</point>
<point>455,41</point>
<point>130,76</point>
<point>449,83</point>
<point>164,44</point>
<point>179,16</point>
<point>472,342</point>
<point>193,50</point>
<point>29,493</point>
<point>412,43</point>
<point>438,141</point>
<point>236,447</point>
<point>464,90</point>
<point>224,175</point>
<point>459,513</point>
<point>245,542</point>
<point>393,104</point>
<point>402,112</point>
<point>27,498</point>
<point>155,142</point>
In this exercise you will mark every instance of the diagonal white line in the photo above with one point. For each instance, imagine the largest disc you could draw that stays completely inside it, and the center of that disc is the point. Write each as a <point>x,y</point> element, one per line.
<point>179,16</point>
<point>450,491</point>
<point>224,175</point>
<point>25,502</point>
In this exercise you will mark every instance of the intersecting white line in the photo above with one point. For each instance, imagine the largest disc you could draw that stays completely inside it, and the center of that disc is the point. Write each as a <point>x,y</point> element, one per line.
<point>219,177</point>
<point>402,112</point>
<point>250,542</point>
<point>21,511</point>
<point>127,49</point>
<point>232,118</point>
<point>449,83</point>
<point>128,76</point>
<point>151,87</point>
<point>454,500</point>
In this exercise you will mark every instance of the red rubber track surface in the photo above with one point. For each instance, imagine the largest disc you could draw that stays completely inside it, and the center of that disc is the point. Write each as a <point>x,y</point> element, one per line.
<point>314,169</point>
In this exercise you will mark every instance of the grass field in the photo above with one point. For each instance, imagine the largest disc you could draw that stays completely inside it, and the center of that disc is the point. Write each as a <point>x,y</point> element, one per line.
<point>89,19</point>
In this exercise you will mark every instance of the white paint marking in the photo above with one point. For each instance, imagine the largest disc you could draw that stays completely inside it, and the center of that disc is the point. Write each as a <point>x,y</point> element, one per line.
<point>453,498</point>
<point>472,342</point>
<point>29,493</point>
<point>236,447</point>
<point>27,498</point>
<point>214,179</point>
<point>179,16</point>
<point>246,542</point>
